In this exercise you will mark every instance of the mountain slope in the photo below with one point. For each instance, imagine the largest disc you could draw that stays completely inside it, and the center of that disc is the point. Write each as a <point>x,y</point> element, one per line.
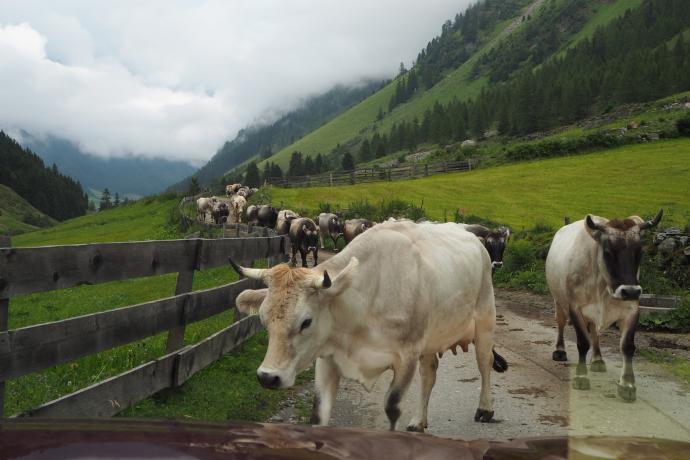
<point>567,21</point>
<point>129,176</point>
<point>17,215</point>
<point>263,140</point>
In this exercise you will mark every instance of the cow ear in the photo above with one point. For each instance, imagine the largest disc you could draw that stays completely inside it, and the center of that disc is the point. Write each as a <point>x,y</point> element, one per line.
<point>304,228</point>
<point>342,280</point>
<point>593,228</point>
<point>249,301</point>
<point>506,233</point>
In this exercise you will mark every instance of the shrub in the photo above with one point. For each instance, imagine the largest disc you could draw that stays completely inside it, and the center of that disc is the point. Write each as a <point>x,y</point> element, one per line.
<point>677,320</point>
<point>519,255</point>
<point>683,125</point>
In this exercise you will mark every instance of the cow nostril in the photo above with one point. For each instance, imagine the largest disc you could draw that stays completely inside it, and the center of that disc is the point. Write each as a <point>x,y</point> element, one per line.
<point>268,380</point>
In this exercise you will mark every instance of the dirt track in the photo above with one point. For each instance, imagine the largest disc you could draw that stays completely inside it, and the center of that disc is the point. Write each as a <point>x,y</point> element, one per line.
<point>534,397</point>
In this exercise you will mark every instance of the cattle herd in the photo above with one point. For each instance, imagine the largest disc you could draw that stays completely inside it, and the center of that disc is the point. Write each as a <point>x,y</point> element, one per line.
<point>401,293</point>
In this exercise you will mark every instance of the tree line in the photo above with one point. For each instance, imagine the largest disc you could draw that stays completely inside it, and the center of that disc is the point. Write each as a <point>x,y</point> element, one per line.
<point>45,188</point>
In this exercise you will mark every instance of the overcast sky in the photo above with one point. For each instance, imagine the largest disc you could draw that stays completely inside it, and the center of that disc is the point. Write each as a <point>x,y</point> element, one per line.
<point>178,78</point>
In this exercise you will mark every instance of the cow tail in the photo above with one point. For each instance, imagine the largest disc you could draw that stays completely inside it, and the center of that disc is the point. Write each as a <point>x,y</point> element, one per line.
<point>500,363</point>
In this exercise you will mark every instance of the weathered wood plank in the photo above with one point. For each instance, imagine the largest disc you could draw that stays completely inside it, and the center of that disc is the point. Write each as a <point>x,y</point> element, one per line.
<point>197,357</point>
<point>4,321</point>
<point>185,280</point>
<point>107,398</point>
<point>34,348</point>
<point>28,270</point>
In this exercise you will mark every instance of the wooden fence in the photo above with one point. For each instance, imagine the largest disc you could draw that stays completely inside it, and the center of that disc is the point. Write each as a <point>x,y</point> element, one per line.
<point>376,174</point>
<point>34,348</point>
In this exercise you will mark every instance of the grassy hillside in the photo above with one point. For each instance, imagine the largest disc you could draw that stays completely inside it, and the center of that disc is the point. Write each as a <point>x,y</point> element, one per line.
<point>141,220</point>
<point>635,179</point>
<point>458,83</point>
<point>17,215</point>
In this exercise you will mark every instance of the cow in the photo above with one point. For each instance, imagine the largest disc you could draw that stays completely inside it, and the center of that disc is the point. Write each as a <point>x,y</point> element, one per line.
<point>232,189</point>
<point>592,270</point>
<point>354,227</point>
<point>220,212</point>
<point>243,192</point>
<point>238,203</point>
<point>267,216</point>
<point>330,225</point>
<point>283,221</point>
<point>252,214</point>
<point>494,241</point>
<point>304,237</point>
<point>204,205</point>
<point>395,296</point>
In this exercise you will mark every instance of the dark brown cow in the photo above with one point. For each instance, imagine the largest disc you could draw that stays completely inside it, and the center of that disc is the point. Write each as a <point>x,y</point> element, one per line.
<point>304,237</point>
<point>267,216</point>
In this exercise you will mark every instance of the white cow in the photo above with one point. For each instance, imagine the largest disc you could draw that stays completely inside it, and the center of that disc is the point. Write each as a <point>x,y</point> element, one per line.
<point>593,274</point>
<point>204,205</point>
<point>397,295</point>
<point>238,203</point>
<point>285,217</point>
<point>232,189</point>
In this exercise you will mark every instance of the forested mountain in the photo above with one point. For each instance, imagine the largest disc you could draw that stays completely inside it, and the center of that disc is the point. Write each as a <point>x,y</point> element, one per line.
<point>129,176</point>
<point>265,140</point>
<point>514,68</point>
<point>45,188</point>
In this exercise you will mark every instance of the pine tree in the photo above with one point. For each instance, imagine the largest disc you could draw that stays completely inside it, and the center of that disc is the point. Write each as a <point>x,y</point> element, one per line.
<point>251,177</point>
<point>106,200</point>
<point>266,172</point>
<point>116,203</point>
<point>365,151</point>
<point>347,163</point>
<point>194,187</point>
<point>296,167</point>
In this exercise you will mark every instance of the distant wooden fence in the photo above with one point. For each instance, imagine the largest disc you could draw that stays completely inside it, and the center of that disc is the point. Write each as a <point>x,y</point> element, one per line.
<point>34,348</point>
<point>376,174</point>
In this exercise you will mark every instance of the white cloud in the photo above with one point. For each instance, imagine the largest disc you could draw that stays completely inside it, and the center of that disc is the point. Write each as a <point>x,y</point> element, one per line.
<point>176,79</point>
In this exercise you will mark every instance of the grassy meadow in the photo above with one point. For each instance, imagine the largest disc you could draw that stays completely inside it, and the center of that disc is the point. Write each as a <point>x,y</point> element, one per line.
<point>17,215</point>
<point>637,179</point>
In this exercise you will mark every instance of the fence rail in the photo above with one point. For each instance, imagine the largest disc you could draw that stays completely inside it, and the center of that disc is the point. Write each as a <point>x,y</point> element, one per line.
<point>37,347</point>
<point>376,174</point>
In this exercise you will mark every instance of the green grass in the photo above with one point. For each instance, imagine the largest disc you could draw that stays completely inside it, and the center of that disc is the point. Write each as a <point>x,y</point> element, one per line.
<point>14,211</point>
<point>679,366</point>
<point>225,390</point>
<point>636,179</point>
<point>141,220</point>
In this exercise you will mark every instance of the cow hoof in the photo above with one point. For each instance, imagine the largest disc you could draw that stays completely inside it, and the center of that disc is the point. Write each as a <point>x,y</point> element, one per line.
<point>627,393</point>
<point>560,355</point>
<point>581,383</point>
<point>483,416</point>
<point>597,366</point>
<point>415,428</point>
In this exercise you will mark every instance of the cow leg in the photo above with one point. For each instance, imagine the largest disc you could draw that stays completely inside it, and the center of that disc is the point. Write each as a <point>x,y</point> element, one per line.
<point>294,255</point>
<point>626,384</point>
<point>321,240</point>
<point>597,364</point>
<point>427,371</point>
<point>316,257</point>
<point>581,382</point>
<point>303,253</point>
<point>326,381</point>
<point>402,376</point>
<point>561,319</point>
<point>483,348</point>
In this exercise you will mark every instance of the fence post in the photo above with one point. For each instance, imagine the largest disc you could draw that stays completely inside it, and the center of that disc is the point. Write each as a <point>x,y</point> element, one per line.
<point>389,174</point>
<point>352,178</point>
<point>330,179</point>
<point>426,169</point>
<point>445,166</point>
<point>185,280</point>
<point>4,312</point>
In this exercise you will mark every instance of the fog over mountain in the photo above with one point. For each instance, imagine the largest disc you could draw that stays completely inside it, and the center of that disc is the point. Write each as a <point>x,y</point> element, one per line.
<point>177,79</point>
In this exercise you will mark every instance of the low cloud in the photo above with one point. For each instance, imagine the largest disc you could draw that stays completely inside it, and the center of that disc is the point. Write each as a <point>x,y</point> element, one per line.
<point>177,78</point>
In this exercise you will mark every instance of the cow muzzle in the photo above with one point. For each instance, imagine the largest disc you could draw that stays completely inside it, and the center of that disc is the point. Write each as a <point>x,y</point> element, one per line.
<point>496,265</point>
<point>269,380</point>
<point>628,292</point>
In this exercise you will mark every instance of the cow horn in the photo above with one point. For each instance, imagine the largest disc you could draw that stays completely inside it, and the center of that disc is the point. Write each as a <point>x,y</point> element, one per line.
<point>593,225</point>
<point>323,282</point>
<point>653,222</point>
<point>251,273</point>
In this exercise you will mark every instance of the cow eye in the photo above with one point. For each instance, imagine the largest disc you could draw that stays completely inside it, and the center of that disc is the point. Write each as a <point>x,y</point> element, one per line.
<point>305,324</point>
